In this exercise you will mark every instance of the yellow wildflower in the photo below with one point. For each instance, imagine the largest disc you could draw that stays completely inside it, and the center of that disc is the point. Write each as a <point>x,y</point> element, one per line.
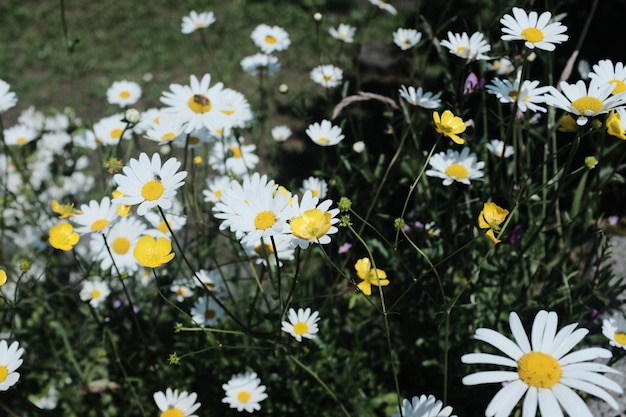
<point>369,276</point>
<point>450,125</point>
<point>490,218</point>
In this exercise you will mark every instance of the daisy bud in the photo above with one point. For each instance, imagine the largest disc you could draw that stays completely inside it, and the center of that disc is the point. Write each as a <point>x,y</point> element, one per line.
<point>591,162</point>
<point>283,88</point>
<point>318,17</point>
<point>358,147</point>
<point>132,116</point>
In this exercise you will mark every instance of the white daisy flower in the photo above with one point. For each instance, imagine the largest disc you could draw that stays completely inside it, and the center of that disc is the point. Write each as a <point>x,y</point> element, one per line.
<point>166,130</point>
<point>181,290</point>
<point>583,101</point>
<point>384,6</point>
<point>311,221</point>
<point>57,121</point>
<point>327,76</point>
<point>467,47</point>
<point>109,130</point>
<point>270,38</point>
<point>499,149</point>
<point>406,38</point>
<point>175,221</point>
<point>454,166</point>
<point>195,21</point>
<point>210,281</point>
<point>525,97</point>
<point>10,360</point>
<point>244,392</point>
<point>281,133</point>
<point>206,312</point>
<point>121,240</point>
<point>614,328</point>
<point>301,324</point>
<point>124,93</point>
<point>147,183</point>
<point>236,109</point>
<point>232,156</point>
<point>171,403</point>
<point>420,98</point>
<point>536,31</point>
<point>260,64</point>
<point>193,139</point>
<point>544,371</point>
<point>19,135</point>
<point>324,133</point>
<point>343,32</point>
<point>8,99</point>
<point>31,117</point>
<point>95,216</point>
<point>148,119</point>
<point>95,292</point>
<point>423,406</point>
<point>501,66</point>
<point>215,188</point>
<point>263,250</point>
<point>317,186</point>
<point>607,72</point>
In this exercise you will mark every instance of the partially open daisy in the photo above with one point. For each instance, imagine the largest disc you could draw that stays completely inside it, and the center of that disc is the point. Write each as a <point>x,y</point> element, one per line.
<point>95,216</point>
<point>450,125</point>
<point>244,392</point>
<point>614,328</point>
<point>536,31</point>
<point>301,324</point>
<point>327,75</point>
<point>260,64</point>
<point>195,21</point>
<point>418,97</point>
<point>406,38</point>
<point>270,38</point>
<point>607,72</point>
<point>124,93</point>
<point>423,406</point>
<point>8,99</point>
<point>10,360</point>
<point>499,148</point>
<point>145,182</point>
<point>281,133</point>
<point>543,372</point>
<point>324,133</point>
<point>343,32</point>
<point>455,166</point>
<point>94,292</point>
<point>467,47</point>
<point>171,403</point>
<point>525,97</point>
<point>317,186</point>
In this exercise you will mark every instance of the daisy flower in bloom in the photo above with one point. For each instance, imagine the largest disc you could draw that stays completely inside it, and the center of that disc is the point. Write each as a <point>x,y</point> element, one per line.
<point>175,404</point>
<point>317,186</point>
<point>121,240</point>
<point>215,188</point>
<point>109,130</point>
<point>233,157</point>
<point>311,221</point>
<point>616,123</point>
<point>467,47</point>
<point>525,97</point>
<point>423,406</point>
<point>181,290</point>
<point>236,109</point>
<point>536,31</point>
<point>583,101</point>
<point>406,38</point>
<point>614,329</point>
<point>455,166</point>
<point>449,125</point>
<point>270,38</point>
<point>281,133</point>
<point>369,276</point>
<point>174,220</point>
<point>418,97</point>
<point>258,64</point>
<point>327,75</point>
<point>8,99</point>
<point>166,130</point>
<point>244,392</point>
<point>95,216</point>
<point>195,21</point>
<point>19,135</point>
<point>124,93</point>
<point>324,133</point>
<point>10,360</point>
<point>147,183</point>
<point>153,252</point>
<point>343,32</point>
<point>491,217</point>
<point>264,253</point>
<point>63,237</point>
<point>94,291</point>
<point>607,72</point>
<point>210,280</point>
<point>301,324</point>
<point>384,6</point>
<point>502,66</point>
<point>499,149</point>
<point>544,371</point>
<point>206,312</point>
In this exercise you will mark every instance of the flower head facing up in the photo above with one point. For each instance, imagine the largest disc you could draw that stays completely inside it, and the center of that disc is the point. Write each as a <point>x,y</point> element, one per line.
<point>424,406</point>
<point>455,166</point>
<point>544,371</point>
<point>97,216</point>
<point>301,324</point>
<point>343,32</point>
<point>327,76</point>
<point>10,360</point>
<point>614,74</point>
<point>467,47</point>
<point>94,292</point>
<point>535,30</point>
<point>63,237</point>
<point>614,329</point>
<point>324,133</point>
<point>244,392</point>
<point>406,38</point>
<point>171,403</point>
<point>153,252</point>
<point>491,217</point>
<point>270,38</point>
<point>195,21</point>
<point>449,125</point>
<point>124,93</point>
<point>370,276</point>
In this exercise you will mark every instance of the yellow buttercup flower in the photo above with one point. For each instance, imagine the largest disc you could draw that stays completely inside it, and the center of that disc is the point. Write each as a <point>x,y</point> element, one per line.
<point>65,211</point>
<point>614,125</point>
<point>152,253</point>
<point>490,218</point>
<point>369,276</point>
<point>3,277</point>
<point>312,225</point>
<point>450,125</point>
<point>63,237</point>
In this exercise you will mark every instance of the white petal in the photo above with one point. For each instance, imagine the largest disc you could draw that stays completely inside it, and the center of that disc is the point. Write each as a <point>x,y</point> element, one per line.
<point>590,389</point>
<point>539,325</point>
<point>487,377</point>
<point>499,341</point>
<point>488,359</point>
<point>570,401</point>
<point>529,408</point>
<point>585,355</point>
<point>518,332</point>
<point>548,405</point>
<point>506,399</point>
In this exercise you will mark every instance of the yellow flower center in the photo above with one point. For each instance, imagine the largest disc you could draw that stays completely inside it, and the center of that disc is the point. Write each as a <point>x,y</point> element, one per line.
<point>539,369</point>
<point>300,328</point>
<point>4,372</point>
<point>124,94</point>
<point>322,139</point>
<point>460,50</point>
<point>172,412</point>
<point>162,227</point>
<point>244,396</point>
<point>218,194</point>
<point>311,225</point>
<point>270,39</point>
<point>620,86</point>
<point>193,140</point>
<point>228,112</point>
<point>315,193</point>
<point>95,294</point>
<point>513,94</point>
<point>457,171</point>
<point>99,225</point>
<point>21,140</point>
<point>327,77</point>
<point>116,133</point>
<point>168,137</point>
<point>121,245</point>
<point>3,279</point>
<point>620,337</point>
<point>152,190</point>
<point>199,103</point>
<point>235,151</point>
<point>264,220</point>
<point>587,104</point>
<point>532,35</point>
<point>264,249</point>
